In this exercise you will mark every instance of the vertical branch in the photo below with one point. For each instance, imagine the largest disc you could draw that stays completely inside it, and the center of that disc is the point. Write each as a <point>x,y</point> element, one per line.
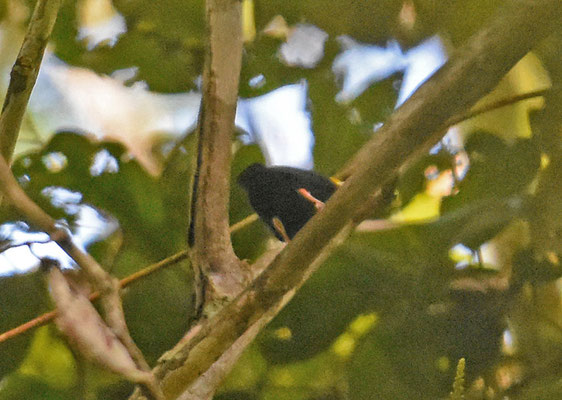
<point>24,73</point>
<point>219,273</point>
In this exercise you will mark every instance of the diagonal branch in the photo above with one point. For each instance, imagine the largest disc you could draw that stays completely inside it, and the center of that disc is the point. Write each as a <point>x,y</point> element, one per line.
<point>473,71</point>
<point>219,274</point>
<point>24,73</point>
<point>50,315</point>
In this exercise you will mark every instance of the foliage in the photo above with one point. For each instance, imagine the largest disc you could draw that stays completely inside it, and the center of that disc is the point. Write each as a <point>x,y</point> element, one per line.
<point>391,312</point>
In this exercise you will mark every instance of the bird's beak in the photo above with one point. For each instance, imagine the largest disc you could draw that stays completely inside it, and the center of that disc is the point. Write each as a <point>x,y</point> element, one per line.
<point>336,181</point>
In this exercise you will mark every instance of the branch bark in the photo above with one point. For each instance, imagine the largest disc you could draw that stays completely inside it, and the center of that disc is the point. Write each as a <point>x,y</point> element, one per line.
<point>218,272</point>
<point>416,126</point>
<point>24,73</point>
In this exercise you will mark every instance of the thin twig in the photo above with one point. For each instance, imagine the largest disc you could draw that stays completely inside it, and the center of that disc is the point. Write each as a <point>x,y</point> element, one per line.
<point>149,270</point>
<point>495,105</point>
<point>9,246</point>
<point>24,73</point>
<point>48,316</point>
<point>36,322</point>
<point>250,219</point>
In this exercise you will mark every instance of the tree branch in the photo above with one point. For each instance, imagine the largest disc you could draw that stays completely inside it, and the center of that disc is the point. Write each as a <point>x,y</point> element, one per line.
<point>24,73</point>
<point>205,385</point>
<point>471,72</point>
<point>219,274</point>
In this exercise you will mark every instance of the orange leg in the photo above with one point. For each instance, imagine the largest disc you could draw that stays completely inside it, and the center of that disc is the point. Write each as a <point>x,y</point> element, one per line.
<point>307,195</point>
<point>280,229</point>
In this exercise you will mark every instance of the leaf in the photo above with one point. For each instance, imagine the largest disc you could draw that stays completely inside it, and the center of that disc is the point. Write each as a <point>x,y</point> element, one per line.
<point>413,180</point>
<point>84,328</point>
<point>22,297</point>
<point>497,170</point>
<point>155,32</point>
<point>19,386</point>
<point>412,351</point>
<point>159,309</point>
<point>370,271</point>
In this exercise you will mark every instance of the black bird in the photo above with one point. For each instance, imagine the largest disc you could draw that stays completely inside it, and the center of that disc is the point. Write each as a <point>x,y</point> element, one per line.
<point>285,198</point>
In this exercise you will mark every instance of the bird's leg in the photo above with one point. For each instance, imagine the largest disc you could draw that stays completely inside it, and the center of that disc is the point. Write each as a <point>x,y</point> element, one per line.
<point>280,228</point>
<point>307,195</point>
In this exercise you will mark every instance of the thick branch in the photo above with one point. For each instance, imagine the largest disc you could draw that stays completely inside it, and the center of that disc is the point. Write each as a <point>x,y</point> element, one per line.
<point>473,71</point>
<point>218,270</point>
<point>24,73</point>
<point>205,385</point>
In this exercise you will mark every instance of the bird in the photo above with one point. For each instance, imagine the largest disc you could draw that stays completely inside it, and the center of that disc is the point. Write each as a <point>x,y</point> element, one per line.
<point>285,198</point>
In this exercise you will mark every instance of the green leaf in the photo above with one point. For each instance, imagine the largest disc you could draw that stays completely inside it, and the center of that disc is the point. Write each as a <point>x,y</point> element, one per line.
<point>370,271</point>
<point>413,180</point>
<point>159,308</point>
<point>497,170</point>
<point>22,297</point>
<point>170,30</point>
<point>366,20</point>
<point>17,387</point>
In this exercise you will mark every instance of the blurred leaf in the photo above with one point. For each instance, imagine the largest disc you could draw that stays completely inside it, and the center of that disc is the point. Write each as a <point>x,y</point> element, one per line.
<point>50,359</point>
<point>369,271</point>
<point>543,388</point>
<point>171,30</point>
<point>372,373</point>
<point>413,180</point>
<point>512,122</point>
<point>412,351</point>
<point>22,297</point>
<point>496,171</point>
<point>124,191</point>
<point>312,378</point>
<point>159,309</point>
<point>18,386</point>
<point>478,222</point>
<point>84,328</point>
<point>527,268</point>
<point>458,19</point>
<point>368,21</point>
<point>248,372</point>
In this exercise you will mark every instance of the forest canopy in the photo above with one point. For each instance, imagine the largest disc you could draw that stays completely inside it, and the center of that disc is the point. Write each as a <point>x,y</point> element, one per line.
<point>433,272</point>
